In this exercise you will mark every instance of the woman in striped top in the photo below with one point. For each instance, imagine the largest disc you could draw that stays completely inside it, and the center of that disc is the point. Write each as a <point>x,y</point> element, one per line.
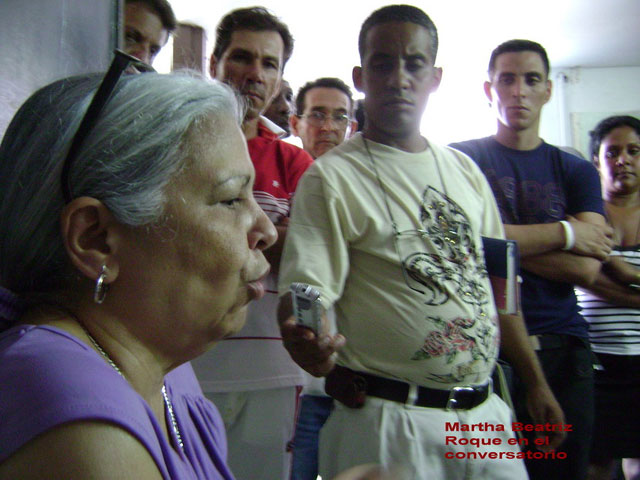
<point>612,304</point>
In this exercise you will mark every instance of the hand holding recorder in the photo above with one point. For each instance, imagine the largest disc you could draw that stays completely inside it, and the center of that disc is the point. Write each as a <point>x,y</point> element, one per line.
<point>306,306</point>
<point>304,328</point>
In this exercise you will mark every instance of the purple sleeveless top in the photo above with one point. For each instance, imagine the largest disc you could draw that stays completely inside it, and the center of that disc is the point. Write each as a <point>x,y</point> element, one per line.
<point>48,377</point>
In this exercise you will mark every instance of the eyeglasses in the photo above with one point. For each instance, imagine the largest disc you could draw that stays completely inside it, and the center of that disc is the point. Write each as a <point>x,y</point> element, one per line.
<point>121,62</point>
<point>318,119</point>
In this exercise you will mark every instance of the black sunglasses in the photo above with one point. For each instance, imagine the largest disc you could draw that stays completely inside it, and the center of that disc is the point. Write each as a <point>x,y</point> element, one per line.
<point>121,62</point>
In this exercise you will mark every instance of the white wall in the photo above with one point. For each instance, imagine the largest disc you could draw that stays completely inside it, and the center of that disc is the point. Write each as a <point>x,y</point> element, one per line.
<point>44,40</point>
<point>582,97</point>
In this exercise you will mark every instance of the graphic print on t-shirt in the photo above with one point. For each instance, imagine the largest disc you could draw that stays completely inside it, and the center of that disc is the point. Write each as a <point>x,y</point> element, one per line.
<point>452,271</point>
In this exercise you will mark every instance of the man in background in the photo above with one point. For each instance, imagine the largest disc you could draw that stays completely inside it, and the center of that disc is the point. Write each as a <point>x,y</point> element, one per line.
<point>147,26</point>
<point>281,108</point>
<point>251,377</point>
<point>324,115</point>
<point>550,203</point>
<point>323,119</point>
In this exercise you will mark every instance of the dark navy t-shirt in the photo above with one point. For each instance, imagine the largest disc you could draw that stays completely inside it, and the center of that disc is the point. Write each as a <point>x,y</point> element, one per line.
<point>540,186</point>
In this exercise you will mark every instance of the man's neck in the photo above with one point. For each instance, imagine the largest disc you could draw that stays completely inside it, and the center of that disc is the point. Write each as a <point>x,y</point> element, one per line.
<point>413,143</point>
<point>527,139</point>
<point>250,127</point>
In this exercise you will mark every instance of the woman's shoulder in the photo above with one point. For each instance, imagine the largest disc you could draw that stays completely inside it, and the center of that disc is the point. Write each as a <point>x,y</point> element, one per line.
<point>47,360</point>
<point>43,354</point>
<point>50,378</point>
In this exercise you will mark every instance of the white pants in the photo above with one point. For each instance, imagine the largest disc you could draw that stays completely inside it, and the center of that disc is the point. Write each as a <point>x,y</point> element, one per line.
<point>413,440</point>
<point>259,425</point>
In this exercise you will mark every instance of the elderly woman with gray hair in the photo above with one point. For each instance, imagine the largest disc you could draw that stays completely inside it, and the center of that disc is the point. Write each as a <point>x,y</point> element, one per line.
<point>131,243</point>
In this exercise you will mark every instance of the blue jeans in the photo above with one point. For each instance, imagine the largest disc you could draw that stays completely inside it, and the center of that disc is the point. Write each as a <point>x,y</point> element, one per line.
<point>314,411</point>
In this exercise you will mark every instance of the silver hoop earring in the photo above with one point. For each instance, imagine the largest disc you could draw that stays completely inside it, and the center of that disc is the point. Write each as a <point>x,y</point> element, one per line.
<point>100,292</point>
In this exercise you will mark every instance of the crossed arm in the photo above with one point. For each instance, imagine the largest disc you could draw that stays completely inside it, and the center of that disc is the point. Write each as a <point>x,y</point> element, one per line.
<point>612,284</point>
<point>593,236</point>
<point>541,253</point>
<point>541,245</point>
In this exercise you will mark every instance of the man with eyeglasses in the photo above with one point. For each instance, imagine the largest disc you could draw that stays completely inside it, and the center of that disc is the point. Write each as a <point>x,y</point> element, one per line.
<point>147,26</point>
<point>251,377</point>
<point>324,115</point>
<point>324,120</point>
<point>387,226</point>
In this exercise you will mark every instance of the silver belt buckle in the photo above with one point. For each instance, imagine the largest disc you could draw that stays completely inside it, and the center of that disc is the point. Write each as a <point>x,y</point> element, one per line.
<point>452,402</point>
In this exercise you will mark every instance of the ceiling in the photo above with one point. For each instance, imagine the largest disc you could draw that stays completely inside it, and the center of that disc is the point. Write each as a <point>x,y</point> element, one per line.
<point>576,33</point>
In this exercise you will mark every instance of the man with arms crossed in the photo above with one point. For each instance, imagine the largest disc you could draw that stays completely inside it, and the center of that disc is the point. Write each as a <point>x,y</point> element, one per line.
<point>550,203</point>
<point>250,377</point>
<point>393,244</point>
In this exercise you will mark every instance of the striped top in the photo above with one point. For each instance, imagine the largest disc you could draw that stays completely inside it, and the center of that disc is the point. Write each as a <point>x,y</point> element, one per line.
<point>613,329</point>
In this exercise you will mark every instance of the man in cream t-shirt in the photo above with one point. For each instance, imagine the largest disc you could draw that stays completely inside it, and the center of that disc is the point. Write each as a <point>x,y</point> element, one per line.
<point>388,227</point>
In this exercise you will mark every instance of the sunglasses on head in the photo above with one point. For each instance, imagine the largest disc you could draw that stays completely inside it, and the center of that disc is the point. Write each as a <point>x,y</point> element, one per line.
<point>122,62</point>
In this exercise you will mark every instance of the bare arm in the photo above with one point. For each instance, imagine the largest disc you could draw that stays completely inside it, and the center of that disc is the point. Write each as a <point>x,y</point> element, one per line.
<point>81,450</point>
<point>593,238</point>
<point>314,353</point>
<point>564,267</point>
<point>614,292</point>
<point>536,239</point>
<point>567,266</point>
<point>541,403</point>
<point>621,271</point>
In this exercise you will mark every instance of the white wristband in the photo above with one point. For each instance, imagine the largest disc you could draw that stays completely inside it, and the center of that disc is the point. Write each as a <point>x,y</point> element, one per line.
<point>570,238</point>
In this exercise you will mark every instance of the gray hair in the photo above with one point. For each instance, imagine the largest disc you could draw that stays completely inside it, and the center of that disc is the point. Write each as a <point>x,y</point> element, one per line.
<point>133,151</point>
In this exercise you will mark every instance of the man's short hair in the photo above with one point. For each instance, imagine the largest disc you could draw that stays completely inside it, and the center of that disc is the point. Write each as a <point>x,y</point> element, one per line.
<point>605,127</point>
<point>164,11</point>
<point>399,13</point>
<point>324,82</point>
<point>257,19</point>
<point>519,45</point>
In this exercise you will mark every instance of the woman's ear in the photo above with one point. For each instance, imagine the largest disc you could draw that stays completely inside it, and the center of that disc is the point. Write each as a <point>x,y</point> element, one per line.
<point>91,236</point>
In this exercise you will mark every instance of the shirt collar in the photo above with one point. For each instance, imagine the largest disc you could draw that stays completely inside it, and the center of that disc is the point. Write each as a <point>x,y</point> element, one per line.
<point>279,132</point>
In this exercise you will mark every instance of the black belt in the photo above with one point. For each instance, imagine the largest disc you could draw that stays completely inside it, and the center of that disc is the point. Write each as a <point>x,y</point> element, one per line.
<point>458,398</point>
<point>549,341</point>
